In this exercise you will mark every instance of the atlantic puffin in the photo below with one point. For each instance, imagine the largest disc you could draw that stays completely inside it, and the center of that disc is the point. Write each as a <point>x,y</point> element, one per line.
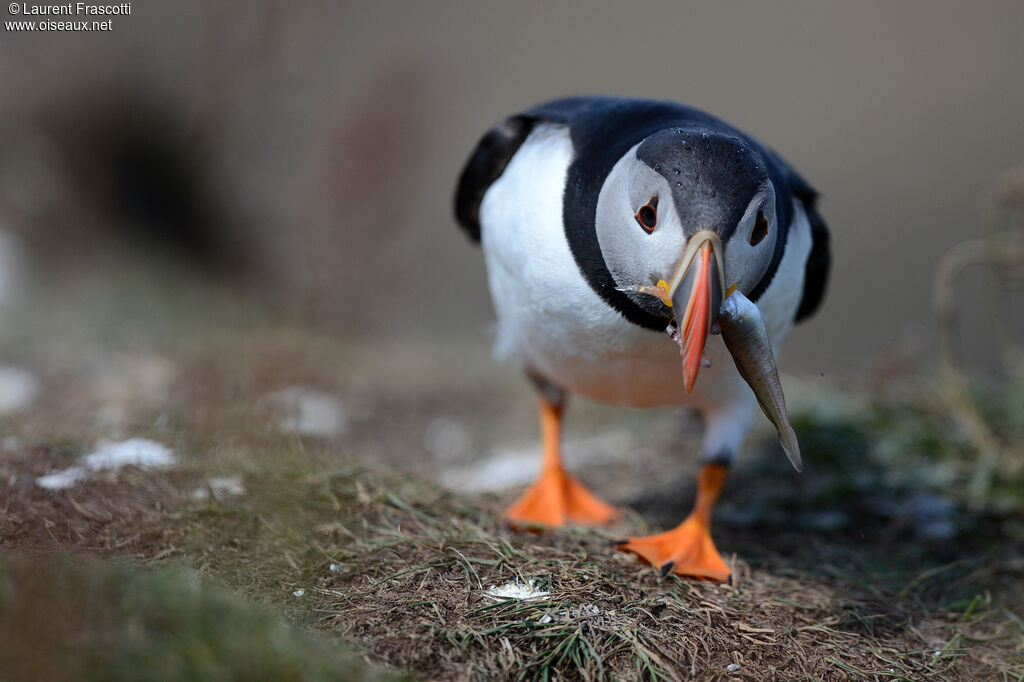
<point>584,206</point>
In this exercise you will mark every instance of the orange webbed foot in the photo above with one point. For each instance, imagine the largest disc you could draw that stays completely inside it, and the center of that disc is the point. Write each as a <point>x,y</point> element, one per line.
<point>685,550</point>
<point>556,499</point>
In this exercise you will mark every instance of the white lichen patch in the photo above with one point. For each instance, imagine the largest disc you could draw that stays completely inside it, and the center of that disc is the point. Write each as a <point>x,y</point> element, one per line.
<point>506,468</point>
<point>110,456</point>
<point>509,467</point>
<point>18,388</point>
<point>140,452</point>
<point>63,479</point>
<point>516,590</point>
<point>307,412</point>
<point>220,487</point>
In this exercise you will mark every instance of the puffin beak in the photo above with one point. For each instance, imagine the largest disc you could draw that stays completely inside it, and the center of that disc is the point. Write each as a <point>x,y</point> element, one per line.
<point>696,294</point>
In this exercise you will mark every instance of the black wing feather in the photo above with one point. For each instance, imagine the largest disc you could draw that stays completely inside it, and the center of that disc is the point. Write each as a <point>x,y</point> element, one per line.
<point>485,165</point>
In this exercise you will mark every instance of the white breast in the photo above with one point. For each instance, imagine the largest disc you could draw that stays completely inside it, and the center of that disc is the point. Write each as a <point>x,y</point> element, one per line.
<point>549,318</point>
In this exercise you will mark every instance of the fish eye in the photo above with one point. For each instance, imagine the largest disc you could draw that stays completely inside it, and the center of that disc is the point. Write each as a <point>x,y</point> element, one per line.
<point>760,230</point>
<point>647,216</point>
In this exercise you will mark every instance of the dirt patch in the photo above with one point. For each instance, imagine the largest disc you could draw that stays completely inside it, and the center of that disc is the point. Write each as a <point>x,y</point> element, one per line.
<point>121,512</point>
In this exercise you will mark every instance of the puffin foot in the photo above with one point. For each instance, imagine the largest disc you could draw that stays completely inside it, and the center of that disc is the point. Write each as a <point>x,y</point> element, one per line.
<point>556,499</point>
<point>685,550</point>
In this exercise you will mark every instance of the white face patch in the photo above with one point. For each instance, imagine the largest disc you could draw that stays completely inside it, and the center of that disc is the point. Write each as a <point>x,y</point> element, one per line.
<point>746,262</point>
<point>633,255</point>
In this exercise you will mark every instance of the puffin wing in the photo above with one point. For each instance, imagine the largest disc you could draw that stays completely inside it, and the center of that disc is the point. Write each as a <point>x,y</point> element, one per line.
<point>485,165</point>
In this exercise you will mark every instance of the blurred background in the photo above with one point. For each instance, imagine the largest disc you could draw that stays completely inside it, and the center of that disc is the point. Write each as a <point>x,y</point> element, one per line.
<point>305,154</point>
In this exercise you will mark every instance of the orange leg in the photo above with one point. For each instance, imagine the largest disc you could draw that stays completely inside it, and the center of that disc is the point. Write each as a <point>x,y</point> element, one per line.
<point>556,498</point>
<point>688,549</point>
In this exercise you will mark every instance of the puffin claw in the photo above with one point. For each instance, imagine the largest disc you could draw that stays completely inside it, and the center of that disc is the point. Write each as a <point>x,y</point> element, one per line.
<point>666,568</point>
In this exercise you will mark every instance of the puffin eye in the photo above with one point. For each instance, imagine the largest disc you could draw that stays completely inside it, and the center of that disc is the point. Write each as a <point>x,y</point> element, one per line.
<point>760,230</point>
<point>647,216</point>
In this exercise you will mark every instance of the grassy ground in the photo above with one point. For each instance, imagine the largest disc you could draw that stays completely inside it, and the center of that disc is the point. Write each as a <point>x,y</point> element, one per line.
<point>876,563</point>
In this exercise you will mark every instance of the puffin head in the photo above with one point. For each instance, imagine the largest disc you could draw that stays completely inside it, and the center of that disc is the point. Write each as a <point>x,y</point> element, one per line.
<point>687,215</point>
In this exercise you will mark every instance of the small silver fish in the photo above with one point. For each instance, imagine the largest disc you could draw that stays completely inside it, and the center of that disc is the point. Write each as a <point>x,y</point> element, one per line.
<point>746,337</point>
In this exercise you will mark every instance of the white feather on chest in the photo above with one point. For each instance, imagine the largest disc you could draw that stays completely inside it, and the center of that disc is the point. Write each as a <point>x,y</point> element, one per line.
<point>550,319</point>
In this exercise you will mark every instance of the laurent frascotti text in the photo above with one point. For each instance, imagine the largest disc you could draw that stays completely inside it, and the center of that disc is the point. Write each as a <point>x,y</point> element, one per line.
<point>70,9</point>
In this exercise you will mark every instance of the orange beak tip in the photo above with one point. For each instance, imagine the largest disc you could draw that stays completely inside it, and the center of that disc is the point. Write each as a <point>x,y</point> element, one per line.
<point>696,321</point>
<point>695,295</point>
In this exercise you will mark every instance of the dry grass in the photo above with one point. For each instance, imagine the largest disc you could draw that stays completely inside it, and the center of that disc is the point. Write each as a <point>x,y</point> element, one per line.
<point>416,564</point>
<point>841,573</point>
